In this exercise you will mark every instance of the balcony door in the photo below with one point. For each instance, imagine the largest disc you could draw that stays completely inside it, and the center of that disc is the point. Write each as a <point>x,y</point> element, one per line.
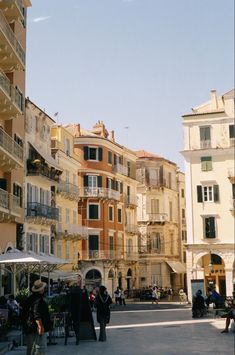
<point>93,246</point>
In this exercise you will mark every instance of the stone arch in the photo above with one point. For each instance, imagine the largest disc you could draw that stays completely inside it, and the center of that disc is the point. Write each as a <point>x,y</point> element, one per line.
<point>204,253</point>
<point>111,274</point>
<point>129,273</point>
<point>93,278</point>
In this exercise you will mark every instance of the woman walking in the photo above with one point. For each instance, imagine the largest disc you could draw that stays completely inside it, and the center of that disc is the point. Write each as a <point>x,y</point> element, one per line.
<point>102,303</point>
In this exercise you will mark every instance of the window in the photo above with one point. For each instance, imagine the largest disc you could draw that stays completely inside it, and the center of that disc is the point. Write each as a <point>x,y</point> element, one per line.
<point>32,242</point>
<point>67,216</point>
<point>111,246</point>
<point>209,227</point>
<point>184,256</point>
<point>206,163</point>
<point>169,180</point>
<point>205,137</point>
<point>184,235</point>
<point>232,131</point>
<point>67,146</point>
<point>93,246</point>
<point>17,191</point>
<point>233,191</point>
<point>67,250</point>
<point>209,193</point>
<point>93,153</point>
<point>110,157</point>
<point>110,213</point>
<point>183,213</point>
<point>128,168</point>
<point>170,210</point>
<point>44,244</point>
<point>156,241</point>
<point>216,259</point>
<point>93,210</point>
<point>154,206</point>
<point>182,193</point>
<point>119,211</point>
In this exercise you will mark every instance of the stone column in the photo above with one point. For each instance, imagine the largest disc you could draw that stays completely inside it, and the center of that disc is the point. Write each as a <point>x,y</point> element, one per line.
<point>229,281</point>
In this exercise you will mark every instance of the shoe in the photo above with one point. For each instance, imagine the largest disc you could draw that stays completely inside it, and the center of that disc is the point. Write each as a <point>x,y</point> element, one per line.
<point>224,331</point>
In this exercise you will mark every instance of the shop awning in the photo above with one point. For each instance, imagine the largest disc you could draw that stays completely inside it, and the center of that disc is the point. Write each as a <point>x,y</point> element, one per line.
<point>176,266</point>
<point>51,161</point>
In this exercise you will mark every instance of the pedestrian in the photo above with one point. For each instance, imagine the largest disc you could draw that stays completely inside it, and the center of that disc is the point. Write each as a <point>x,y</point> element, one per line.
<point>170,294</point>
<point>75,304</point>
<point>92,298</point>
<point>117,295</point>
<point>182,296</point>
<point>102,303</point>
<point>154,295</point>
<point>36,320</point>
<point>230,315</point>
<point>122,297</point>
<point>199,308</point>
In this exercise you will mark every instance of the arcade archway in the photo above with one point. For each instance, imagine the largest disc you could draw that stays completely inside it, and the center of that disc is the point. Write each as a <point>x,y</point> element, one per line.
<point>93,279</point>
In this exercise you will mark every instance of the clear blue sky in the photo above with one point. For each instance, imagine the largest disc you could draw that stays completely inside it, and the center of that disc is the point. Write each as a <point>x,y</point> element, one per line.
<point>135,63</point>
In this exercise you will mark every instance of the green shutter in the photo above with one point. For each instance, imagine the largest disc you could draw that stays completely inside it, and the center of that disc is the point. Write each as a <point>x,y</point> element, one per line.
<point>199,193</point>
<point>100,154</point>
<point>121,187</point>
<point>85,151</point>
<point>99,181</point>
<point>85,180</point>
<point>216,193</point>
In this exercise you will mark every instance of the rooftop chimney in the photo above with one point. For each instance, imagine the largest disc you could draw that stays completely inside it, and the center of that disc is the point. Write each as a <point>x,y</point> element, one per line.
<point>112,136</point>
<point>214,101</point>
<point>77,130</point>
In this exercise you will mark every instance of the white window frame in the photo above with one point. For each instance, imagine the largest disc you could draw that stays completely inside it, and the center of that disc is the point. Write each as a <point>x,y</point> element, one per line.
<point>88,211</point>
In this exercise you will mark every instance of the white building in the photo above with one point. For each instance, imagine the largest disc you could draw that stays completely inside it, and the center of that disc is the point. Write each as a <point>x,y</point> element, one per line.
<point>209,134</point>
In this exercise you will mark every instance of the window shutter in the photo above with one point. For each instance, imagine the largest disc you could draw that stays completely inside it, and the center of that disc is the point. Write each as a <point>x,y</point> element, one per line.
<point>212,227</point>
<point>107,183</point>
<point>99,181</point>
<point>115,159</point>
<point>216,193</point>
<point>85,180</point>
<point>112,184</point>
<point>116,185</point>
<point>85,150</point>
<point>100,154</point>
<point>3,184</point>
<point>161,175</point>
<point>199,193</point>
<point>121,187</point>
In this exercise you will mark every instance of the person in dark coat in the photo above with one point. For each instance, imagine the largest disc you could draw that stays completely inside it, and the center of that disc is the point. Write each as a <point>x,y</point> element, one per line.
<point>75,304</point>
<point>199,308</point>
<point>102,303</point>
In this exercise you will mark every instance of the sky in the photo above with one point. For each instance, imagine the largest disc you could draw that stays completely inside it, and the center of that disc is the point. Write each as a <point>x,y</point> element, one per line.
<point>137,65</point>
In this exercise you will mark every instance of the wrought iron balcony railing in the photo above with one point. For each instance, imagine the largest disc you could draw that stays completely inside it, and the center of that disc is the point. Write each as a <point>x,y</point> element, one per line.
<point>67,188</point>
<point>9,201</point>
<point>36,209</point>
<point>121,169</point>
<point>9,34</point>
<point>8,144</point>
<point>100,192</point>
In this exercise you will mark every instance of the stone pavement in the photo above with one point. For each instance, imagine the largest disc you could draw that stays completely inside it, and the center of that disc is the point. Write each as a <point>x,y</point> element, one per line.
<point>154,330</point>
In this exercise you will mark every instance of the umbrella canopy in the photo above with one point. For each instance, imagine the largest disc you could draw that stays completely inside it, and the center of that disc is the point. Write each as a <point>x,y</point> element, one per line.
<point>17,261</point>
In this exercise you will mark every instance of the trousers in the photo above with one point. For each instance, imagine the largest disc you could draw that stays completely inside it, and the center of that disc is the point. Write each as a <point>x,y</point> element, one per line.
<point>36,344</point>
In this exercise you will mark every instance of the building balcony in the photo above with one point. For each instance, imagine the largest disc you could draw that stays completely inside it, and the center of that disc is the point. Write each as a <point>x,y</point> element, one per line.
<point>10,207</point>
<point>153,217</point>
<point>205,144</point>
<point>131,229</point>
<point>120,169</point>
<point>68,190</point>
<point>42,171</point>
<point>96,255</point>
<point>42,214</point>
<point>99,192</point>
<point>11,100</point>
<point>13,9</point>
<point>72,231</point>
<point>156,183</point>
<point>11,153</point>
<point>12,55</point>
<point>131,201</point>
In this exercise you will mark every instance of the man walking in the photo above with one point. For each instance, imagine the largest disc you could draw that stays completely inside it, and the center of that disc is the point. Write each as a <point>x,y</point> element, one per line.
<point>36,320</point>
